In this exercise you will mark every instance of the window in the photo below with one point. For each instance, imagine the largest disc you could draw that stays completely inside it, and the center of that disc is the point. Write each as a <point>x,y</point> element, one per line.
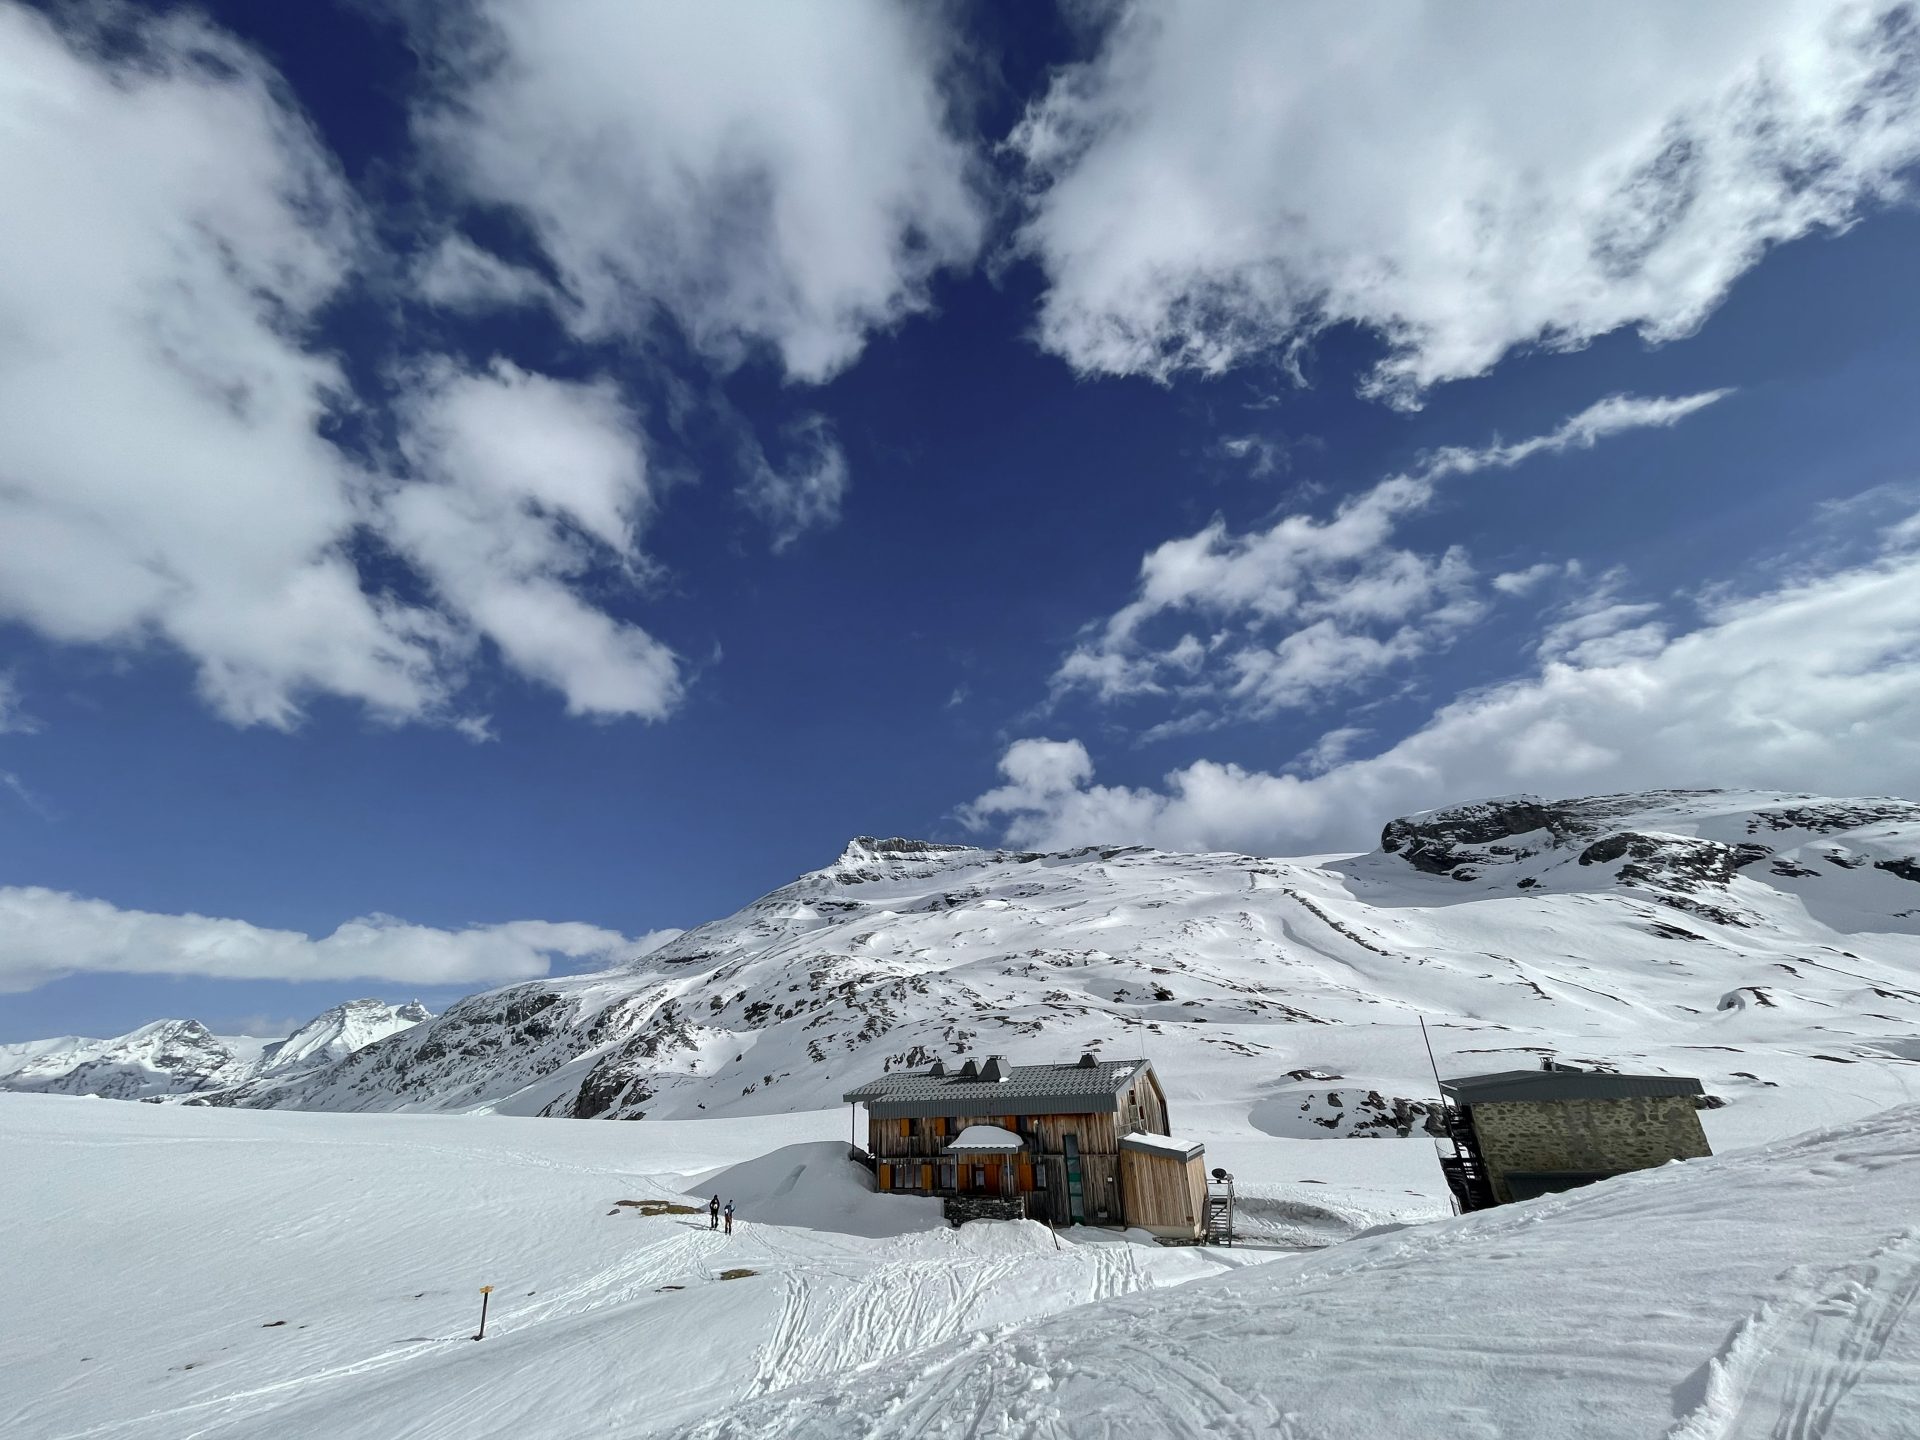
<point>980,1177</point>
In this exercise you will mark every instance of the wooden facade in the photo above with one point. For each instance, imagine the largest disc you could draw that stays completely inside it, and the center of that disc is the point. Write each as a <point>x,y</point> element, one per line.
<point>1165,1192</point>
<point>1067,1171</point>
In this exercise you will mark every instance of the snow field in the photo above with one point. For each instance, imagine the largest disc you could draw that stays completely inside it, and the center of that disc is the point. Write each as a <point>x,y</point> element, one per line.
<point>154,1248</point>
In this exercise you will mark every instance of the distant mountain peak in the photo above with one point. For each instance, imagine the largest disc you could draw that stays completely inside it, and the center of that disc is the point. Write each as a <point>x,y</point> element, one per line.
<point>166,1058</point>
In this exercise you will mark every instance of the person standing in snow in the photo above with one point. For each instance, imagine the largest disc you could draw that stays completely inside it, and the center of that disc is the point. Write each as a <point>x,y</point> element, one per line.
<point>713,1213</point>
<point>728,1212</point>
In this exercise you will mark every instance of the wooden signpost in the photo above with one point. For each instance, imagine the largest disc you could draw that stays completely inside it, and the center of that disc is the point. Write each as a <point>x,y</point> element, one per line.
<point>485,1291</point>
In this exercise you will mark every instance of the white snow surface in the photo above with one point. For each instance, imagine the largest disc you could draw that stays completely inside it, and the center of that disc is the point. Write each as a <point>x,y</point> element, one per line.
<point>179,1271</point>
<point>220,1273</point>
<point>1161,1144</point>
<point>1766,1294</point>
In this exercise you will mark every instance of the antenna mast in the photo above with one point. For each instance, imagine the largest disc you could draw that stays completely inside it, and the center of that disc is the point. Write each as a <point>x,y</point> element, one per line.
<point>1431,1063</point>
<point>1452,1203</point>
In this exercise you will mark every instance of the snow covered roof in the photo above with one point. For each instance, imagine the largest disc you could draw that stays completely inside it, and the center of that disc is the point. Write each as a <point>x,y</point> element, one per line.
<point>1506,1085</point>
<point>1162,1145</point>
<point>986,1139</point>
<point>1077,1089</point>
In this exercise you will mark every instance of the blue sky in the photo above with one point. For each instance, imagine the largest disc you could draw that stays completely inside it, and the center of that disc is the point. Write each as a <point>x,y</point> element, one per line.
<point>516,479</point>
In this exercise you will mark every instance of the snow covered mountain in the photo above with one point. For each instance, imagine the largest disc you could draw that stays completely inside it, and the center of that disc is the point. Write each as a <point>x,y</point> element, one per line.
<point>337,1033</point>
<point>1768,943</point>
<point>171,1058</point>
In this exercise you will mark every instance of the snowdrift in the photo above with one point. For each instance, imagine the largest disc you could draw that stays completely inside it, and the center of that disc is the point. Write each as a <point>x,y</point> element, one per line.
<point>817,1187</point>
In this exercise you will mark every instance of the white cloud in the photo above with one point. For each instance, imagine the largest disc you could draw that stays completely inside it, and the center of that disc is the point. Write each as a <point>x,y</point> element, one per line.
<point>1353,604</point>
<point>1225,179</point>
<point>1264,457</point>
<point>15,786</point>
<point>50,934</point>
<point>768,173</point>
<point>805,495</point>
<point>527,483</point>
<point>1317,659</point>
<point>165,471</point>
<point>456,274</point>
<point>1522,582</point>
<point>174,231</point>
<point>12,718</point>
<point>1814,685</point>
<point>1615,415</point>
<point>1040,774</point>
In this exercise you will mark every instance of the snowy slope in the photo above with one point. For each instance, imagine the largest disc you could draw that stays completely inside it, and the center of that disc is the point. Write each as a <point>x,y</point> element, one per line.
<point>1767,943</point>
<point>1771,1294</point>
<point>332,1036</point>
<point>173,1058</point>
<point>234,1273</point>
<point>238,1273</point>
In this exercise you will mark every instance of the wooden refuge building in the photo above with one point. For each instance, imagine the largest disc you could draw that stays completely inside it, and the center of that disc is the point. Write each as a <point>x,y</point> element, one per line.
<point>1074,1143</point>
<point>1522,1133</point>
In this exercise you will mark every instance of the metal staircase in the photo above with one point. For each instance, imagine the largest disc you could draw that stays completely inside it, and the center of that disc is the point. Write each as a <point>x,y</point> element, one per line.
<point>1465,1169</point>
<point>1220,1213</point>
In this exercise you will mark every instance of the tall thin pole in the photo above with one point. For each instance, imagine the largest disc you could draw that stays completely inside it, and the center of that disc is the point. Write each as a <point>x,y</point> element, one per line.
<point>1434,1065</point>
<point>1430,1060</point>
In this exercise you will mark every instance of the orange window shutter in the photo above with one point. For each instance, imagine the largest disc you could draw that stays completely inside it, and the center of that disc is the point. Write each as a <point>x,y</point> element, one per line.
<point>881,1174</point>
<point>926,1177</point>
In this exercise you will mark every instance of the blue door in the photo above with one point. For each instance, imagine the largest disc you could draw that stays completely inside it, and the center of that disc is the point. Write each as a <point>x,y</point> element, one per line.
<point>1076,1205</point>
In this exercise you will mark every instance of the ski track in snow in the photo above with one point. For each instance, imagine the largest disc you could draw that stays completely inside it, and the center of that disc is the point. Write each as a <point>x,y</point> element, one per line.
<point>1787,1368</point>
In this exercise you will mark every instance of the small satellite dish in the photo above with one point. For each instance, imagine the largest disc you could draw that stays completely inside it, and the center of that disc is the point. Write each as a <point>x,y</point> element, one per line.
<point>1219,1174</point>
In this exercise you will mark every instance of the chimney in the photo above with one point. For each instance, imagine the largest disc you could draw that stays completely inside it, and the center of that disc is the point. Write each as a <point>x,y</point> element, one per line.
<point>939,1068</point>
<point>970,1070</point>
<point>1087,1062</point>
<point>998,1067</point>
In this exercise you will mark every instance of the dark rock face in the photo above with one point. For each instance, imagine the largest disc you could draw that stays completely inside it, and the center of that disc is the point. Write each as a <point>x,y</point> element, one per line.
<point>1434,841</point>
<point>1825,817</point>
<point>1906,869</point>
<point>1440,841</point>
<point>1672,862</point>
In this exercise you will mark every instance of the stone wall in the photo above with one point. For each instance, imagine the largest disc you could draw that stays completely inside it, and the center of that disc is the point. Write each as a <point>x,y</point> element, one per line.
<point>1606,1136</point>
<point>962,1208</point>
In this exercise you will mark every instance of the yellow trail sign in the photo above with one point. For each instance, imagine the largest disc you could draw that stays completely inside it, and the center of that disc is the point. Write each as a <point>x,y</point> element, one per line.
<point>486,1289</point>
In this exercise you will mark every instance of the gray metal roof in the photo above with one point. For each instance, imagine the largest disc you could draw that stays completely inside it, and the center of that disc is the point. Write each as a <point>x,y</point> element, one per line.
<point>1507,1085</point>
<point>1026,1090</point>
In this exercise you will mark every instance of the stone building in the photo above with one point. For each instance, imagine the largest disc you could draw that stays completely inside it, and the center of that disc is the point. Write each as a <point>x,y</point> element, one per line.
<point>1521,1133</point>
